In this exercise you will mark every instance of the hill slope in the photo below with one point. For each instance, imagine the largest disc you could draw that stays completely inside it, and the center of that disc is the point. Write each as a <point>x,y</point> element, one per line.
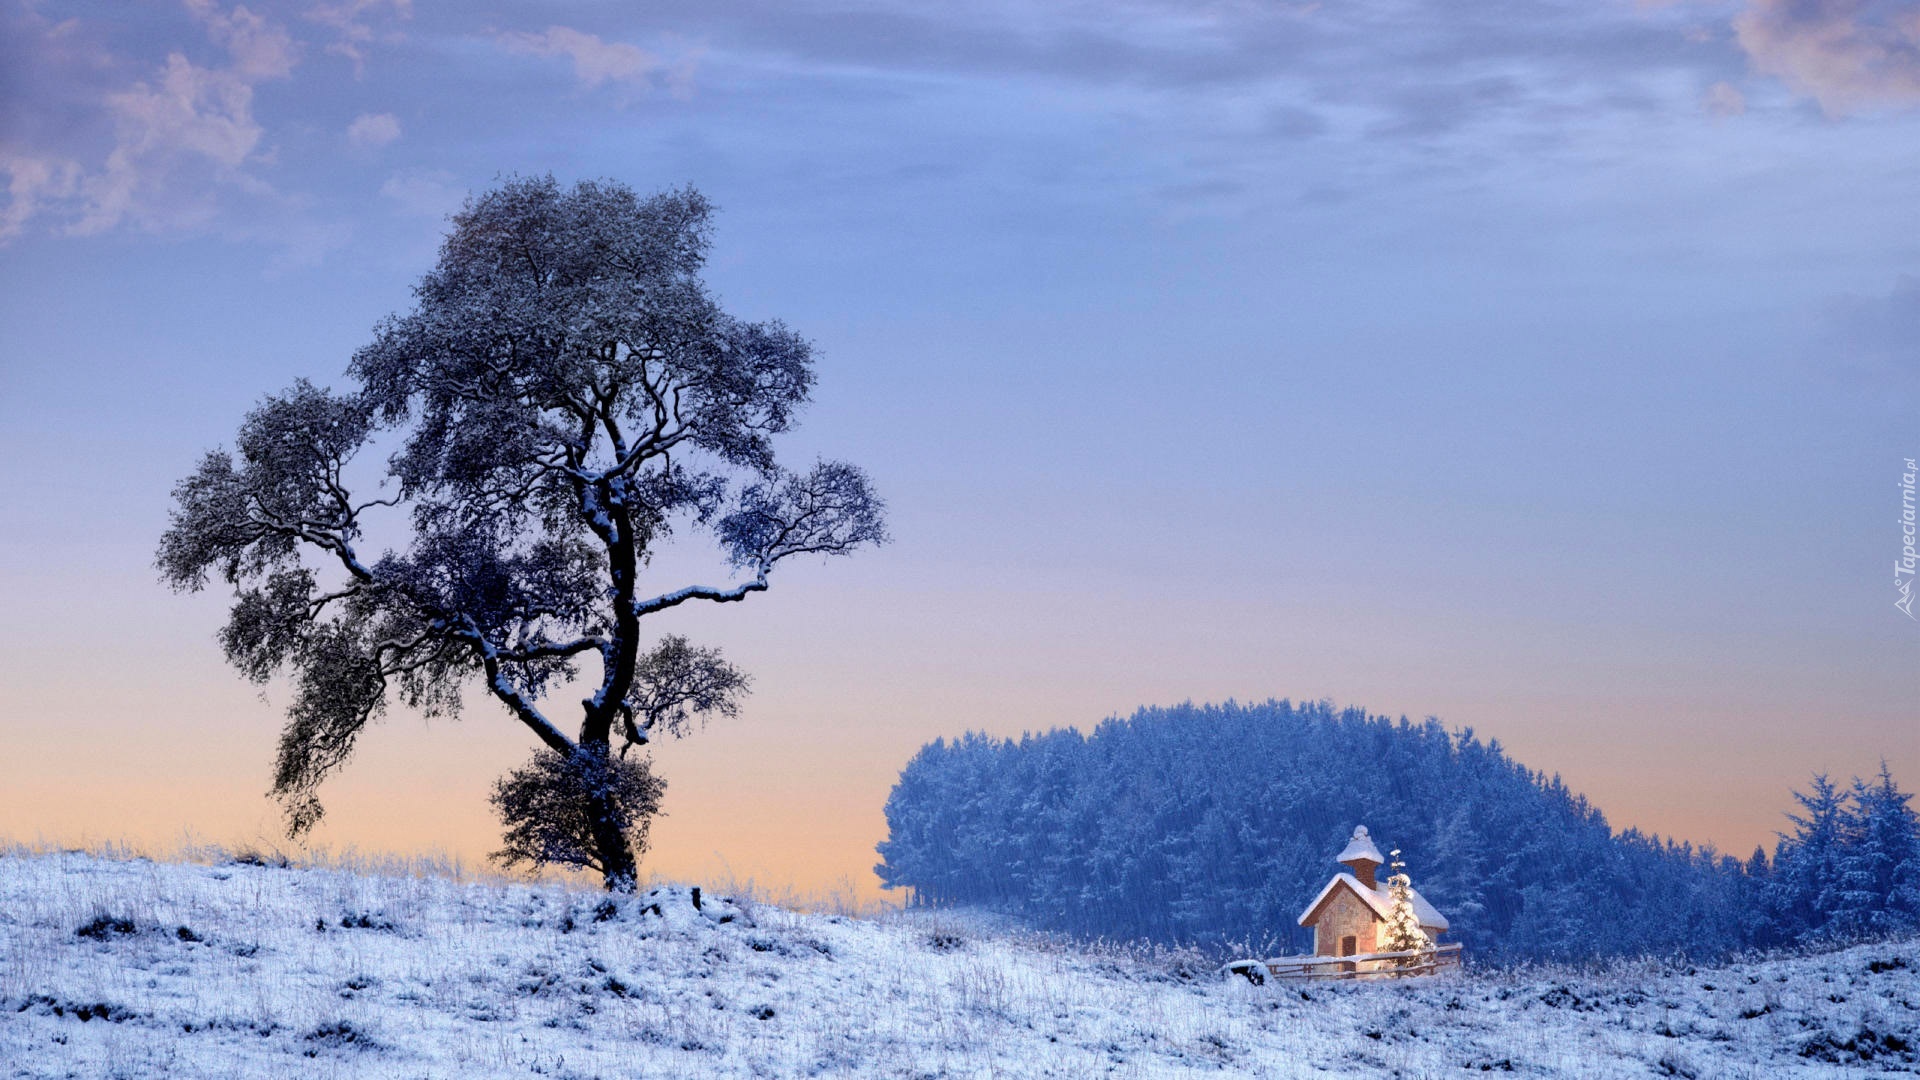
<point>135,968</point>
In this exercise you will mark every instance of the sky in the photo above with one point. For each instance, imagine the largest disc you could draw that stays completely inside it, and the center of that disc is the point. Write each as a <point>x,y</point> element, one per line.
<point>1546,367</point>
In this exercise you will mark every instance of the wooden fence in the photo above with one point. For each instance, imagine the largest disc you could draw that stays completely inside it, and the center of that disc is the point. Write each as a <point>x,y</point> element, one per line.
<point>1380,965</point>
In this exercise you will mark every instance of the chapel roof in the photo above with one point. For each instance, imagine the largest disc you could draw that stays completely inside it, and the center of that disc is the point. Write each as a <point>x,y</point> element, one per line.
<point>1380,900</point>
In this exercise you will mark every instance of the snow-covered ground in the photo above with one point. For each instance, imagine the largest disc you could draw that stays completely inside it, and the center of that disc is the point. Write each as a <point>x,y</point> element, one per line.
<point>143,969</point>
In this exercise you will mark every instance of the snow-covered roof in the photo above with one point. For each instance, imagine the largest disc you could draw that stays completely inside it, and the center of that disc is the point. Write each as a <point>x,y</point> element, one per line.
<point>1428,915</point>
<point>1381,901</point>
<point>1351,882</point>
<point>1360,847</point>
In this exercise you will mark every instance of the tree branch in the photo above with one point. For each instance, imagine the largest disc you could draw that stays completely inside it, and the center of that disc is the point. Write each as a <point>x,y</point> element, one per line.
<point>552,651</point>
<point>501,687</point>
<point>701,592</point>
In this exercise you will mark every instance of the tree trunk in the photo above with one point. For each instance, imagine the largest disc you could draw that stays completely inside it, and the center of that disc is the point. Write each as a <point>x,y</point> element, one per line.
<point>618,866</point>
<point>617,860</point>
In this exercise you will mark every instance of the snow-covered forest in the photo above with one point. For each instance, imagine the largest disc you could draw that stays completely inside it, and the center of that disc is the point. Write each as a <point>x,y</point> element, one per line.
<point>1213,825</point>
<point>116,967</point>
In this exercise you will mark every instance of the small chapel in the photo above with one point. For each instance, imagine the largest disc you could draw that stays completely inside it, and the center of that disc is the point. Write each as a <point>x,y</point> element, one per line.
<point>1350,915</point>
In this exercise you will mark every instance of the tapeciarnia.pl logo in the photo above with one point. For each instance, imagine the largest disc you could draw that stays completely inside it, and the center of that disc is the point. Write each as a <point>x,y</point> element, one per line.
<point>1904,565</point>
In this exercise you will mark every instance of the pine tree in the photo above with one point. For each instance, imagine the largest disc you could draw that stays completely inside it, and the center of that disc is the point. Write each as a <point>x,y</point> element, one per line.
<point>1805,890</point>
<point>1759,922</point>
<point>1863,869</point>
<point>1403,924</point>
<point>1886,861</point>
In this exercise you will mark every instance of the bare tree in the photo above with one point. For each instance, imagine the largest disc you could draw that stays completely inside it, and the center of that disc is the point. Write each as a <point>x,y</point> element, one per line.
<point>564,395</point>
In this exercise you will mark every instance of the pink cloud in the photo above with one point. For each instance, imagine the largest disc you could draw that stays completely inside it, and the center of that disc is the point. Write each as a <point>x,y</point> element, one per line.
<point>260,50</point>
<point>1724,99</point>
<point>373,129</point>
<point>178,135</point>
<point>32,182</point>
<point>594,61</point>
<point>190,115</point>
<point>426,192</point>
<point>1845,54</point>
<point>352,21</point>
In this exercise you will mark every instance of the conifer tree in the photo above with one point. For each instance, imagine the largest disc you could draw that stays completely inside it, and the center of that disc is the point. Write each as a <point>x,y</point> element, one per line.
<point>1862,869</point>
<point>1805,890</point>
<point>1403,932</point>
<point>1885,862</point>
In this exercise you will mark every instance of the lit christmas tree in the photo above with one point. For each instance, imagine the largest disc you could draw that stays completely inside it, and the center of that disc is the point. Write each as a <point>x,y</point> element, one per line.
<point>1403,925</point>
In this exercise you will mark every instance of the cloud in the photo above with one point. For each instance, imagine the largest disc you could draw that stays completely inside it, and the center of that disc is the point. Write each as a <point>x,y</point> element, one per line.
<point>260,50</point>
<point>1723,99</point>
<point>352,22</point>
<point>594,61</point>
<point>425,192</point>
<point>1421,71</point>
<point>1845,54</point>
<point>31,183</point>
<point>173,138</point>
<point>52,77</point>
<point>191,116</point>
<point>373,129</point>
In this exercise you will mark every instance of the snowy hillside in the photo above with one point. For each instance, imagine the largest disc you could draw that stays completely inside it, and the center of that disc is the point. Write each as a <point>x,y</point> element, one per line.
<point>135,968</point>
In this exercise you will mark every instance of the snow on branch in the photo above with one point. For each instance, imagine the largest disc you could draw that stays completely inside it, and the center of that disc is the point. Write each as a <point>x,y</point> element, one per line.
<point>830,510</point>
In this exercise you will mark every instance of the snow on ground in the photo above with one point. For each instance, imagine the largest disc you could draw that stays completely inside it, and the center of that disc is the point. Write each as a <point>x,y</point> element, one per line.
<point>142,969</point>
